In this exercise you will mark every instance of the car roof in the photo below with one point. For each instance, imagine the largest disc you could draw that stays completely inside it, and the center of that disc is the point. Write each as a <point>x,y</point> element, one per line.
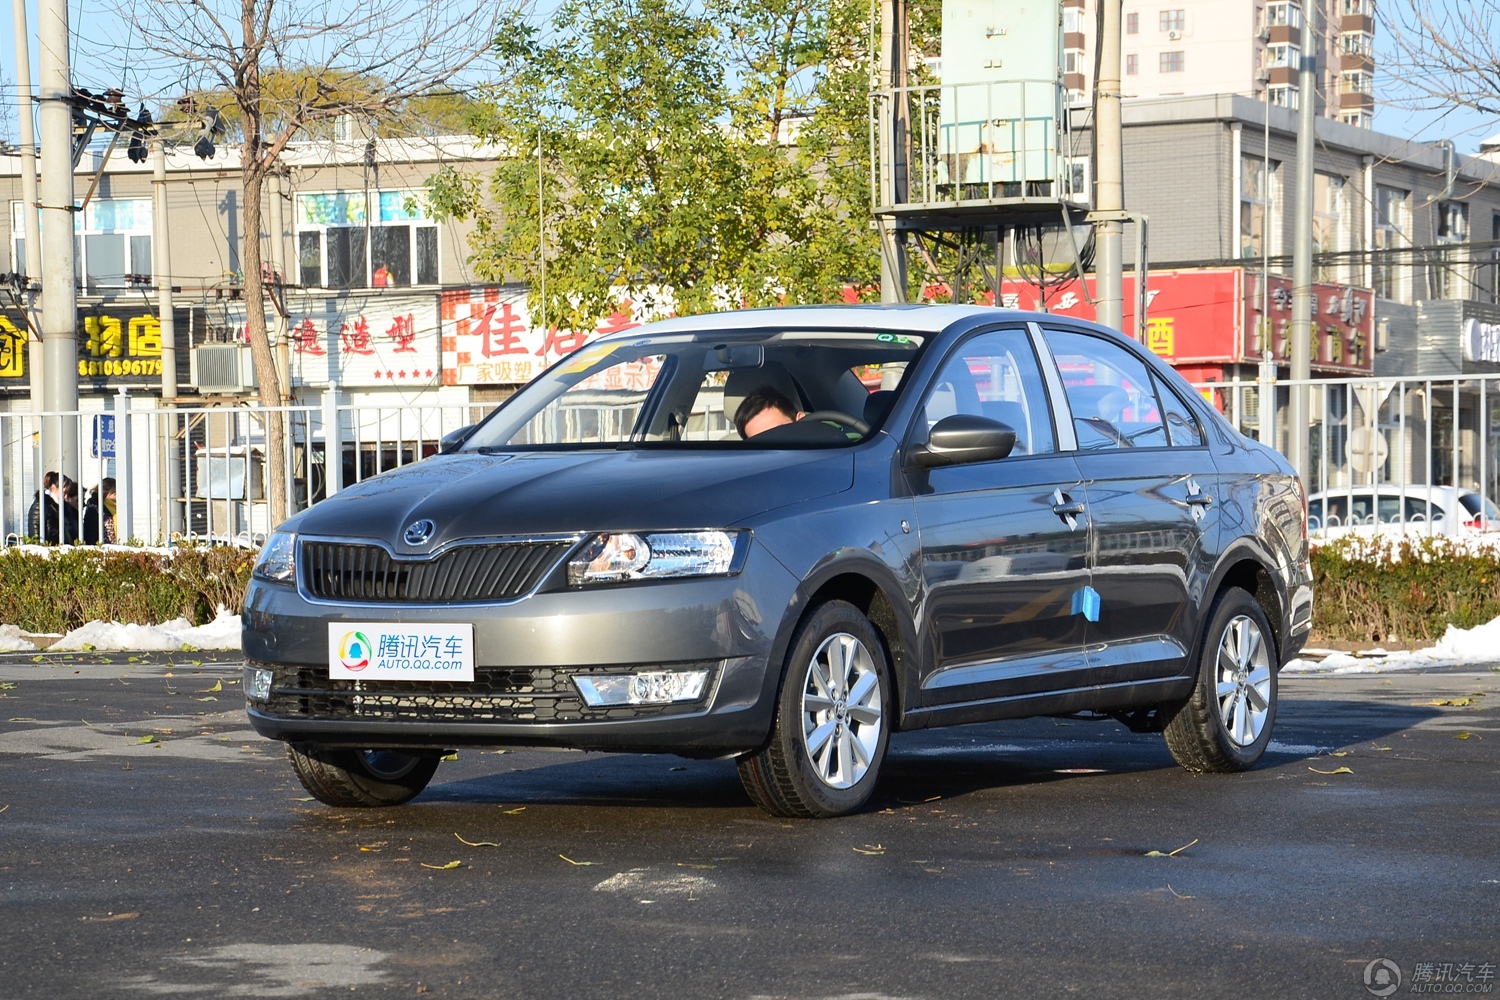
<point>906,318</point>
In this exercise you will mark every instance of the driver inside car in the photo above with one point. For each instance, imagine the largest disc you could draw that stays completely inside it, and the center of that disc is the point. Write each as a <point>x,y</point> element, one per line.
<point>763,409</point>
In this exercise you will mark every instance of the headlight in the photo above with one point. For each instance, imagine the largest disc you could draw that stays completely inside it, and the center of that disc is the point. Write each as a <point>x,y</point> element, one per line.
<point>656,555</point>
<point>278,558</point>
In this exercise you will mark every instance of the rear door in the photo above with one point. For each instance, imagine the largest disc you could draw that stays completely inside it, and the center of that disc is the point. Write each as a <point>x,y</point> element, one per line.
<point>1152,492</point>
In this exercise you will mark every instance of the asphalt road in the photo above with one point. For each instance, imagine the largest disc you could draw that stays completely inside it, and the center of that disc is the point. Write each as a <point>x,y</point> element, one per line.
<point>151,845</point>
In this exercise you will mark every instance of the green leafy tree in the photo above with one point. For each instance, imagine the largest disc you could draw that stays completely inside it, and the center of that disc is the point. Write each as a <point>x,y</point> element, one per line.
<point>707,156</point>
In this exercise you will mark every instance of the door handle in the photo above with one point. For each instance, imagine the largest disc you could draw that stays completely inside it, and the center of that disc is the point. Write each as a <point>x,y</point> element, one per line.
<point>1065,507</point>
<point>1197,499</point>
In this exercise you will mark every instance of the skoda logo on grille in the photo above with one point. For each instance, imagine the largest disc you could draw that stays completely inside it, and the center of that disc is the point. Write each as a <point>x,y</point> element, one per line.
<point>419,531</point>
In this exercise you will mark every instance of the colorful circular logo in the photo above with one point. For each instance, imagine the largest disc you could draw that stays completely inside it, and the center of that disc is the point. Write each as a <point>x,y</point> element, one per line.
<point>354,651</point>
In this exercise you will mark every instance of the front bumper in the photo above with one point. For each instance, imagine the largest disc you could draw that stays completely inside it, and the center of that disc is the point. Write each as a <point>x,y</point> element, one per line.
<point>527,653</point>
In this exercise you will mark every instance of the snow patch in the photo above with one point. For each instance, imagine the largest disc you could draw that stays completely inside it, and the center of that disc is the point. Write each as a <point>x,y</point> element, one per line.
<point>1478,646</point>
<point>173,636</point>
<point>12,640</point>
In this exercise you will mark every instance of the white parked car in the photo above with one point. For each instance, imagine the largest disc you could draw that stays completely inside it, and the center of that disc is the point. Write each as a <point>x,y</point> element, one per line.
<point>1440,510</point>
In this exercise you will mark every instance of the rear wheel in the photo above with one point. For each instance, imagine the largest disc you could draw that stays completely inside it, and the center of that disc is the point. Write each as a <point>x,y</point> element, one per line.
<point>1226,723</point>
<point>353,777</point>
<point>832,720</point>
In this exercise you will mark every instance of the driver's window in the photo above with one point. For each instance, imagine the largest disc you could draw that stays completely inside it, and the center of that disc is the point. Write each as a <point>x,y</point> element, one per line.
<point>1110,392</point>
<point>995,375</point>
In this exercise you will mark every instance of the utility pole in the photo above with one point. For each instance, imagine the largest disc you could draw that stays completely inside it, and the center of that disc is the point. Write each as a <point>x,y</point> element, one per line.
<point>59,293</point>
<point>1109,194</point>
<point>31,224</point>
<point>161,252</point>
<point>1302,276</point>
<point>894,130</point>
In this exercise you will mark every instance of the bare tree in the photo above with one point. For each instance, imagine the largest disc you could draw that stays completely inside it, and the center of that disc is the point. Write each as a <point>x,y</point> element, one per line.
<point>285,66</point>
<point>1446,54</point>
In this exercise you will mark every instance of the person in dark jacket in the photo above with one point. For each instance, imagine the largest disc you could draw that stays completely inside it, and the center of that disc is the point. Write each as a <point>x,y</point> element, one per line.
<point>99,515</point>
<point>51,518</point>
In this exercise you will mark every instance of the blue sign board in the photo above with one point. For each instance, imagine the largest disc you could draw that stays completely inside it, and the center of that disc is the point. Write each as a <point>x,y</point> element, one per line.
<point>104,436</point>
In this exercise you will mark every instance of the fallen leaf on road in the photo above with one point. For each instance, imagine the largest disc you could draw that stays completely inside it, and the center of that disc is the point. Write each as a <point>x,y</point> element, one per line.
<point>1172,854</point>
<point>443,868</point>
<point>148,738</point>
<point>4,807</point>
<point>369,850</point>
<point>1178,894</point>
<point>477,843</point>
<point>580,864</point>
<point>513,812</point>
<point>218,686</point>
<point>870,849</point>
<point>451,756</point>
<point>1463,736</point>
<point>1337,770</point>
<point>206,698</point>
<point>684,864</point>
<point>109,919</point>
<point>1339,753</point>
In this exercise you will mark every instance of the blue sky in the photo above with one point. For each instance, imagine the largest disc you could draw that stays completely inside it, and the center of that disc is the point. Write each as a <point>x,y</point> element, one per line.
<point>1466,127</point>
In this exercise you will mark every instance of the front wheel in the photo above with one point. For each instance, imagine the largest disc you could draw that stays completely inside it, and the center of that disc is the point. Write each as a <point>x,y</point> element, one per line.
<point>351,777</point>
<point>832,720</point>
<point>1225,725</point>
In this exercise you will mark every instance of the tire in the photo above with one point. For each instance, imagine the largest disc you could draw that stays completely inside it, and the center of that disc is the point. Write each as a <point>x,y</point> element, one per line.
<point>1225,725</point>
<point>832,720</point>
<point>352,777</point>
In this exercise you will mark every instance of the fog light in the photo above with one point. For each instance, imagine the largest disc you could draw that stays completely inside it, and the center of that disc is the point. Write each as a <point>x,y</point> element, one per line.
<point>257,684</point>
<point>646,687</point>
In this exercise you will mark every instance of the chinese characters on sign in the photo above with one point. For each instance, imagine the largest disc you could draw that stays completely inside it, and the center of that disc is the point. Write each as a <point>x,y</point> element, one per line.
<point>117,345</point>
<point>488,337</point>
<point>359,341</point>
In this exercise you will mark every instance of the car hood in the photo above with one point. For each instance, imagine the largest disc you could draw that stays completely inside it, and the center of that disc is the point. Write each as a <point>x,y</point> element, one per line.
<point>469,495</point>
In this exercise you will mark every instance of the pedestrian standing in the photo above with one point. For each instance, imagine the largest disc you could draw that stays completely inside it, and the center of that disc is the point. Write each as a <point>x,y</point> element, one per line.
<point>99,515</point>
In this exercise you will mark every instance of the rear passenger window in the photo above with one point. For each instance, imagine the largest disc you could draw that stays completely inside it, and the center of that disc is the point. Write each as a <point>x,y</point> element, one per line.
<point>1182,426</point>
<point>1110,392</point>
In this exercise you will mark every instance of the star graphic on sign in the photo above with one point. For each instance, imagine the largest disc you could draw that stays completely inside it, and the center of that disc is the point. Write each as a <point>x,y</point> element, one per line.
<point>390,374</point>
<point>402,374</point>
<point>429,373</point>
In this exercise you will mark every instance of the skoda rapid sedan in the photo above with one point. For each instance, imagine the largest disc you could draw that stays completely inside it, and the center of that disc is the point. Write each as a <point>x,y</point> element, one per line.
<point>956,514</point>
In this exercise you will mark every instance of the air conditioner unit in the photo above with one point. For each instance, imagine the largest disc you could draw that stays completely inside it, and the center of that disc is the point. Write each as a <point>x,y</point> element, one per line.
<point>1174,35</point>
<point>223,368</point>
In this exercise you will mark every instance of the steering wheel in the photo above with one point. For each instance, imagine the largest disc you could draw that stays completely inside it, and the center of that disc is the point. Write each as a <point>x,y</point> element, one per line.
<point>841,418</point>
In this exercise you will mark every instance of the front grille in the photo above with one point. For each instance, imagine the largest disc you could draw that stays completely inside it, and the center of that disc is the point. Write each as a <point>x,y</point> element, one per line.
<point>499,694</point>
<point>467,574</point>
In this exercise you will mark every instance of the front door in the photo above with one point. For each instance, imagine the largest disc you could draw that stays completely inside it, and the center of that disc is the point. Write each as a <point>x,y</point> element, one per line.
<point>1004,544</point>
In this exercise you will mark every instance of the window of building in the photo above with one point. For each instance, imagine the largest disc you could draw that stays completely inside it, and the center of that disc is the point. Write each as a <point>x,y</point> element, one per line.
<point>1132,23</point>
<point>1356,43</point>
<point>1173,20</point>
<point>1330,222</point>
<point>1288,14</point>
<point>1452,221</point>
<point>1073,61</point>
<point>1173,62</point>
<point>1283,55</point>
<point>1392,229</point>
<point>1255,203</point>
<point>1132,64</point>
<point>1494,283</point>
<point>1357,7</point>
<point>342,245</point>
<point>1284,96</point>
<point>111,242</point>
<point>1361,119</point>
<point>1070,19</point>
<point>1357,81</point>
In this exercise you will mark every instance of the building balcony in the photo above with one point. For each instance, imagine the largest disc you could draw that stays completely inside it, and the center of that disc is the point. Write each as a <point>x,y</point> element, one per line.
<point>1285,34</point>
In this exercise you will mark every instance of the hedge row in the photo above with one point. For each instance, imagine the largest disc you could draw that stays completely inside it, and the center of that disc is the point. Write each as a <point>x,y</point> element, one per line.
<point>1401,589</point>
<point>1365,590</point>
<point>58,590</point>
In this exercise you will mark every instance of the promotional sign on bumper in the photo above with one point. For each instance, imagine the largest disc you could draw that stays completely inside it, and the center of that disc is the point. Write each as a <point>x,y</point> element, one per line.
<point>375,651</point>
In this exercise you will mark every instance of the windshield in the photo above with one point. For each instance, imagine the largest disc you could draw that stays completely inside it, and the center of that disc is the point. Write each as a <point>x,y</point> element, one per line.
<point>679,390</point>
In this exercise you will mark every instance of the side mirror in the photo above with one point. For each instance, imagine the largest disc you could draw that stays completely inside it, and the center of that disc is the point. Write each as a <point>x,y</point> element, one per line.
<point>452,440</point>
<point>963,439</point>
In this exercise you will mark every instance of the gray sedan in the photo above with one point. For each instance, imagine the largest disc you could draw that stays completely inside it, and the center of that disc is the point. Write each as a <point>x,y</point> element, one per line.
<point>782,536</point>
